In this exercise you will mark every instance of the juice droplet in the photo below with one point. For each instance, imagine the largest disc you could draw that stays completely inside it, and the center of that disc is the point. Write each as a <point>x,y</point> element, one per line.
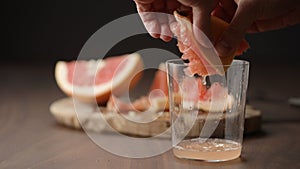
<point>203,80</point>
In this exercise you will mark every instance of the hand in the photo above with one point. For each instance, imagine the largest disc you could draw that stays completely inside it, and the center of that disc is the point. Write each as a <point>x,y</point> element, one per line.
<point>251,16</point>
<point>156,23</point>
<point>245,16</point>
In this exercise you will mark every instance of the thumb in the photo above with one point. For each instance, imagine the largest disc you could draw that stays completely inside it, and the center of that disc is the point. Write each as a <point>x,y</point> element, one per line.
<point>201,28</point>
<point>231,38</point>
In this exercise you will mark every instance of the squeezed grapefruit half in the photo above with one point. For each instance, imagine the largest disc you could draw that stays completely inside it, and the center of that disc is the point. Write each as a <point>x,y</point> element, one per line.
<point>201,62</point>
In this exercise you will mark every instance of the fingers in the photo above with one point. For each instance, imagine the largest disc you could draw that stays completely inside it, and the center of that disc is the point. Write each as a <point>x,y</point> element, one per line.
<point>229,7</point>
<point>151,24</point>
<point>279,22</point>
<point>201,22</point>
<point>147,18</point>
<point>201,16</point>
<point>225,10</point>
<point>155,22</point>
<point>243,18</point>
<point>158,26</point>
<point>165,33</point>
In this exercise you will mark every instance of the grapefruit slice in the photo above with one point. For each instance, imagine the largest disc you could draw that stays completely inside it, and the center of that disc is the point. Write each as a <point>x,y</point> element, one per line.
<point>201,61</point>
<point>160,80</point>
<point>95,80</point>
<point>214,98</point>
<point>159,93</point>
<point>157,98</point>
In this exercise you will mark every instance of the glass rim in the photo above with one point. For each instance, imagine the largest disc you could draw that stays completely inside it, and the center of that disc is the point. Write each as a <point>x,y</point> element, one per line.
<point>235,62</point>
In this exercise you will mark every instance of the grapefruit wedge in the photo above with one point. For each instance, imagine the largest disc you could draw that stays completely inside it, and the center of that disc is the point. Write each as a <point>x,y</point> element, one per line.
<point>159,93</point>
<point>159,82</point>
<point>156,99</point>
<point>95,80</point>
<point>213,98</point>
<point>202,58</point>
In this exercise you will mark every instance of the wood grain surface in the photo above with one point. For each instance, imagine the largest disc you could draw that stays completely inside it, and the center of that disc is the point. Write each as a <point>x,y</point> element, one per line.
<point>31,138</point>
<point>91,117</point>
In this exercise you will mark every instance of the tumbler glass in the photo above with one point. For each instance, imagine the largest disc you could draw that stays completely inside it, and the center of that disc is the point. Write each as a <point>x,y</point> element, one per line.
<point>207,113</point>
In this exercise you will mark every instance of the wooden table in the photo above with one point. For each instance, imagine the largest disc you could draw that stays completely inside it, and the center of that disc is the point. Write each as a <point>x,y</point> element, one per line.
<point>30,137</point>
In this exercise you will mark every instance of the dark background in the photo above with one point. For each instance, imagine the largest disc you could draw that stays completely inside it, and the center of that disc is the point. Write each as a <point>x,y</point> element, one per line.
<point>42,32</point>
<point>46,31</point>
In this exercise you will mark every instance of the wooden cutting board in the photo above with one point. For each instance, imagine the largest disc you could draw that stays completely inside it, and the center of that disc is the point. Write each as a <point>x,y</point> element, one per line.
<point>63,111</point>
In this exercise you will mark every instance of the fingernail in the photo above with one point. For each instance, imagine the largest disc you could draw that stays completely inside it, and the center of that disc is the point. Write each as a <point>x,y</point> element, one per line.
<point>223,48</point>
<point>173,26</point>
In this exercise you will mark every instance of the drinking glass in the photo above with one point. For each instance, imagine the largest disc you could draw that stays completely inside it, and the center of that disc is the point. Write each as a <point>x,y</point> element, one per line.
<point>207,113</point>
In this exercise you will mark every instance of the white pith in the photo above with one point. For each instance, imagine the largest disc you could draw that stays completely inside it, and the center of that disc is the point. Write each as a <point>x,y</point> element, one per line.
<point>121,80</point>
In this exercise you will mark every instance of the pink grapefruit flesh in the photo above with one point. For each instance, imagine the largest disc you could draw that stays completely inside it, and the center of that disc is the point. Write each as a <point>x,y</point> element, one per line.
<point>92,80</point>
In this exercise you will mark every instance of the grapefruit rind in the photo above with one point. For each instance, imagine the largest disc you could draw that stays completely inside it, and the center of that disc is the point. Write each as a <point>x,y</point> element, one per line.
<point>202,58</point>
<point>203,55</point>
<point>122,81</point>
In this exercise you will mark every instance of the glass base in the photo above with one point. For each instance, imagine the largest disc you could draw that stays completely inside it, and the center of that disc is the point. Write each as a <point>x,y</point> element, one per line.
<point>210,150</point>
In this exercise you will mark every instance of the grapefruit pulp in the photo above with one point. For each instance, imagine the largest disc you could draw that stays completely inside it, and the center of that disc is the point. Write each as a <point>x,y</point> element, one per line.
<point>199,61</point>
<point>95,80</point>
<point>212,98</point>
<point>156,99</point>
